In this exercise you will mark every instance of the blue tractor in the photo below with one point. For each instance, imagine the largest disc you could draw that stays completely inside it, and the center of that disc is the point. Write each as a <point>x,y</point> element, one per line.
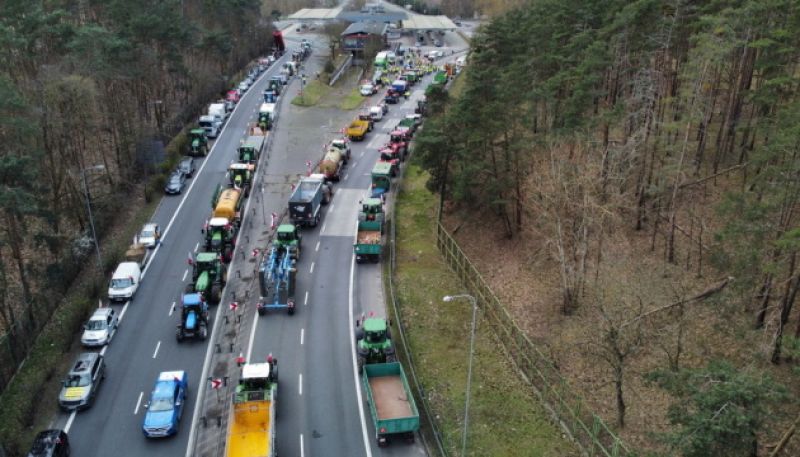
<point>194,318</point>
<point>277,280</point>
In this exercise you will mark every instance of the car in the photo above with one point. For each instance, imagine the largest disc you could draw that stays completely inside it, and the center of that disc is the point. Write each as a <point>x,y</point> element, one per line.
<point>165,407</point>
<point>80,387</point>
<point>186,166</point>
<point>243,86</point>
<point>367,90</point>
<point>50,443</point>
<point>384,107</point>
<point>100,328</point>
<point>175,183</point>
<point>437,42</point>
<point>435,54</point>
<point>149,235</point>
<point>233,96</point>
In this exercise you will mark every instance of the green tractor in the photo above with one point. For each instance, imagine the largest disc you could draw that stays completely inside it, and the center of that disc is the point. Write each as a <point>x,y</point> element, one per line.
<point>371,210</point>
<point>208,277</point>
<point>198,142</point>
<point>374,342</point>
<point>220,237</point>
<point>240,175</point>
<point>289,236</point>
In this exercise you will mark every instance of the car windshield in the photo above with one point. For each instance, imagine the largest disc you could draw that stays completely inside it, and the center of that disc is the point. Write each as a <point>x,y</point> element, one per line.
<point>79,380</point>
<point>161,404</point>
<point>121,283</point>
<point>174,179</point>
<point>147,234</point>
<point>96,324</point>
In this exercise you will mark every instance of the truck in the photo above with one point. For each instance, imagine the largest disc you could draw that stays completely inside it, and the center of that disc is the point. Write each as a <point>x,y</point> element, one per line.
<point>358,129</point>
<point>381,60</point>
<point>220,237</point>
<point>251,420</point>
<point>332,164</point>
<point>343,146</point>
<point>194,318</point>
<point>369,231</point>
<point>305,202</point>
<point>251,147</point>
<point>381,179</point>
<point>277,277</point>
<point>391,403</point>
<point>198,142</point>
<point>277,38</point>
<point>240,176</point>
<point>209,276</point>
<point>266,116</point>
<point>399,86</point>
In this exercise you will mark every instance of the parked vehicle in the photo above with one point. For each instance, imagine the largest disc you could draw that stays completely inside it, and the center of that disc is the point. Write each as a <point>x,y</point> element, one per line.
<point>175,183</point>
<point>305,202</point>
<point>240,176</point>
<point>368,90</point>
<point>277,39</point>
<point>233,96</point>
<point>80,387</point>
<point>374,342</point>
<point>391,403</point>
<point>369,231</point>
<point>226,204</point>
<point>209,276</point>
<point>251,148</point>
<point>214,119</point>
<point>186,166</point>
<point>381,179</point>
<point>358,129</point>
<point>165,407</point>
<point>198,142</point>
<point>100,328</point>
<point>125,281</point>
<point>50,443</point>
<point>266,115</point>
<point>149,235</point>
<point>251,420</point>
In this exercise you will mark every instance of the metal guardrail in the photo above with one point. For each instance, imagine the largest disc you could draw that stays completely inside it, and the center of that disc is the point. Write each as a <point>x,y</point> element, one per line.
<point>338,73</point>
<point>568,409</point>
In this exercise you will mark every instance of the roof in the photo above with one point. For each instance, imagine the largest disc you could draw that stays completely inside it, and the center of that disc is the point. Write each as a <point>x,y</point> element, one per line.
<point>382,168</point>
<point>357,16</point>
<point>191,299</point>
<point>206,257</point>
<point>422,22</point>
<point>171,375</point>
<point>242,166</point>
<point>217,222</point>
<point>286,228</point>
<point>267,107</point>
<point>372,201</point>
<point>101,313</point>
<point>316,14</point>
<point>374,324</point>
<point>84,362</point>
<point>255,370</point>
<point>366,27</point>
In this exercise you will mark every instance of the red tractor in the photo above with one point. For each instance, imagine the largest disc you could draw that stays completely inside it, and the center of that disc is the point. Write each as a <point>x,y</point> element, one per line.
<point>392,157</point>
<point>398,142</point>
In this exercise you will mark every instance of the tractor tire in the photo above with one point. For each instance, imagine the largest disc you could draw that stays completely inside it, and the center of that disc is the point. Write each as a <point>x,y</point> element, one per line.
<point>391,358</point>
<point>224,277</point>
<point>203,332</point>
<point>291,311</point>
<point>215,294</point>
<point>359,334</point>
<point>247,192</point>
<point>227,254</point>
<point>361,362</point>
<point>262,311</point>
<point>179,335</point>
<point>189,288</point>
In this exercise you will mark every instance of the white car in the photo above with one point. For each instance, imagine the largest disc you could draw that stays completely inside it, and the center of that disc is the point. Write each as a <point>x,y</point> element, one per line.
<point>100,328</point>
<point>367,90</point>
<point>243,86</point>
<point>435,54</point>
<point>149,235</point>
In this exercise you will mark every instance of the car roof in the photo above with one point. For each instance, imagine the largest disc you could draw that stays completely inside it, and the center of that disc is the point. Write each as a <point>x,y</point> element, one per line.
<point>84,362</point>
<point>186,159</point>
<point>102,313</point>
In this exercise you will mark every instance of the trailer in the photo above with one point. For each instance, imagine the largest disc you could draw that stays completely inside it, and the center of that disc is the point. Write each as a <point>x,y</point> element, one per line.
<point>391,404</point>
<point>305,203</point>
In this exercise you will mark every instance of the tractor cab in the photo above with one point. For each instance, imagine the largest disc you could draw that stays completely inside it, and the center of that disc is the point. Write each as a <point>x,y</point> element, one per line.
<point>371,210</point>
<point>256,381</point>
<point>240,175</point>
<point>381,179</point>
<point>288,236</point>
<point>343,146</point>
<point>374,342</point>
<point>265,115</point>
<point>275,84</point>
<point>392,157</point>
<point>220,234</point>
<point>198,142</point>
<point>248,153</point>
<point>194,317</point>
<point>392,96</point>
<point>270,95</point>
<point>208,276</point>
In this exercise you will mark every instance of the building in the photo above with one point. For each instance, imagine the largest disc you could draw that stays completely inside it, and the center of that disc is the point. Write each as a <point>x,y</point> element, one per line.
<point>359,34</point>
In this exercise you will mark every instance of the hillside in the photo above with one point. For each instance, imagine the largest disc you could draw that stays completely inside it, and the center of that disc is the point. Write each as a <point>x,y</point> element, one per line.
<point>626,173</point>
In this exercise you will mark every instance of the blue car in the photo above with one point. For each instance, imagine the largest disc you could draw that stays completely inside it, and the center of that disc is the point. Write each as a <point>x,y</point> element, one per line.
<point>166,405</point>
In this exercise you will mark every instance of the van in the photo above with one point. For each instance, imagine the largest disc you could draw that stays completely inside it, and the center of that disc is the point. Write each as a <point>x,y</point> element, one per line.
<point>124,282</point>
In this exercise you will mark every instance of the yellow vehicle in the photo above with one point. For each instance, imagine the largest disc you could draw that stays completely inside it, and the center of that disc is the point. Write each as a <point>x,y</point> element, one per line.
<point>251,422</point>
<point>358,129</point>
<point>227,204</point>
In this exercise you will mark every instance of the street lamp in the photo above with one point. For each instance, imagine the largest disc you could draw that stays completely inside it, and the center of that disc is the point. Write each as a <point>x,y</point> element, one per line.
<point>474,302</point>
<point>89,209</point>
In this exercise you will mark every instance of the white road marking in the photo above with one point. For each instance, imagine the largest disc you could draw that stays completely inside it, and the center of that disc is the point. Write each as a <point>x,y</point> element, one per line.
<point>69,421</point>
<point>359,398</point>
<point>103,351</point>
<point>346,175</point>
<point>317,248</point>
<point>252,338</point>
<point>138,404</point>
<point>172,309</point>
<point>323,227</point>
<point>122,313</point>
<point>305,300</point>
<point>302,450</point>
<point>355,162</point>
<point>362,154</point>
<point>185,272</point>
<point>300,385</point>
<point>196,246</point>
<point>332,205</point>
<point>155,353</point>
<point>302,335</point>
<point>311,270</point>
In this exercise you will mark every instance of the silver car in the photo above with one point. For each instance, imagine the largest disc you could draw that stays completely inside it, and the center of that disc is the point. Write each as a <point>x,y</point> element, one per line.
<point>79,389</point>
<point>100,328</point>
<point>149,235</point>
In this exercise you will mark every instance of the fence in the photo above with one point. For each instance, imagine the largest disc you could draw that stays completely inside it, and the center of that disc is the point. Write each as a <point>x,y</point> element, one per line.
<point>586,428</point>
<point>338,73</point>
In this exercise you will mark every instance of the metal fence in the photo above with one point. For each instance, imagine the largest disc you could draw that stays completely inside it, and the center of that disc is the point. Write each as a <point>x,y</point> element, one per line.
<point>570,411</point>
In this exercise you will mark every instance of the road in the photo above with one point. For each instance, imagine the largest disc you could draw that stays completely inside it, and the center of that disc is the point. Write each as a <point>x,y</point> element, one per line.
<point>320,395</point>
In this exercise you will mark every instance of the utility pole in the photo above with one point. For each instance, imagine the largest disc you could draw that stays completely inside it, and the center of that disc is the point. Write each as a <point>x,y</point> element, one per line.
<point>474,302</point>
<point>89,210</point>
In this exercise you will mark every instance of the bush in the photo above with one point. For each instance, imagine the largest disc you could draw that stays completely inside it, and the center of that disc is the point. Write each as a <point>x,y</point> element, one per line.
<point>329,67</point>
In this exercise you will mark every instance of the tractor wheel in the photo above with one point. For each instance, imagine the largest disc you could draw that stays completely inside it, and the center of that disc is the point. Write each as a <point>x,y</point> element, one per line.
<point>203,332</point>
<point>262,311</point>
<point>189,288</point>
<point>215,294</point>
<point>391,358</point>
<point>291,310</point>
<point>247,192</point>
<point>179,335</point>
<point>361,362</point>
<point>224,277</point>
<point>227,254</point>
<point>388,332</point>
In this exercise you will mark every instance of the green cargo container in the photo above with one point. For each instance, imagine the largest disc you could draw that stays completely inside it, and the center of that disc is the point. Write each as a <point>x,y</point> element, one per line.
<point>369,241</point>
<point>391,403</point>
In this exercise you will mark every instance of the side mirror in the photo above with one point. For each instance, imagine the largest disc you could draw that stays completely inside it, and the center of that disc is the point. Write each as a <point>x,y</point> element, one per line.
<point>146,405</point>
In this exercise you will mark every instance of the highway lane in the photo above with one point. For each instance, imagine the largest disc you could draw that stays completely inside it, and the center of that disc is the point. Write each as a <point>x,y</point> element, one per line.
<point>113,424</point>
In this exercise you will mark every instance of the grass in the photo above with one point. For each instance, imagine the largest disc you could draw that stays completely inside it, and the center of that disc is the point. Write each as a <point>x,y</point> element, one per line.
<point>312,94</point>
<point>352,100</point>
<point>506,419</point>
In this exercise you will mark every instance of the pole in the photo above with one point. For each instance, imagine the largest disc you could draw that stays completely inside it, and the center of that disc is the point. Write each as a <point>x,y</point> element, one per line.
<point>474,303</point>
<point>91,220</point>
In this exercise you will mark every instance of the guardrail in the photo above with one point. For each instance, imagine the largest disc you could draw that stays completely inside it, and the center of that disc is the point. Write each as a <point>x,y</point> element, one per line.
<point>338,73</point>
<point>567,409</point>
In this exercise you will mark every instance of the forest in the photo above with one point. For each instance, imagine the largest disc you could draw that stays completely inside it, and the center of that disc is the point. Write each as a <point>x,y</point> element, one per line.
<point>628,174</point>
<point>90,92</point>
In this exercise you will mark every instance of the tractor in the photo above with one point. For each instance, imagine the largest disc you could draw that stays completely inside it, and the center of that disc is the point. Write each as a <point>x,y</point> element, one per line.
<point>342,144</point>
<point>371,210</point>
<point>392,157</point>
<point>220,237</point>
<point>381,180</point>
<point>374,342</point>
<point>198,142</point>
<point>240,176</point>
<point>208,277</point>
<point>398,142</point>
<point>194,318</point>
<point>289,237</point>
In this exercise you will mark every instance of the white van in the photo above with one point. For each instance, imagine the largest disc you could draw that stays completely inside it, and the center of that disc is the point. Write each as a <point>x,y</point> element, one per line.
<point>125,281</point>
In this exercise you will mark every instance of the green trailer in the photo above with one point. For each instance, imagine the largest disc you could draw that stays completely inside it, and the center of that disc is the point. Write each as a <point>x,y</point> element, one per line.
<point>369,241</point>
<point>391,403</point>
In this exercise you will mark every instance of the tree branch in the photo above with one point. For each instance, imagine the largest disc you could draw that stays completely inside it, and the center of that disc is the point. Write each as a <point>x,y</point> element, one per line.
<point>714,289</point>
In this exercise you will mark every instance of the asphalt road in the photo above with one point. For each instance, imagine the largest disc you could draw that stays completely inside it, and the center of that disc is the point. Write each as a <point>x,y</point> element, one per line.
<point>320,394</point>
